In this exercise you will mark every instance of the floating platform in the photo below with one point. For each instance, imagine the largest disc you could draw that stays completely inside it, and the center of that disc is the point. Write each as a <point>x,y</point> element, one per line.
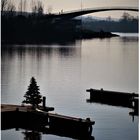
<point>114,98</point>
<point>15,116</point>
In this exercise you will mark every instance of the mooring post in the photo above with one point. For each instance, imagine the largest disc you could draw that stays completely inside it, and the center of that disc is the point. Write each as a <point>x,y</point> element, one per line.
<point>90,126</point>
<point>17,109</point>
<point>44,101</point>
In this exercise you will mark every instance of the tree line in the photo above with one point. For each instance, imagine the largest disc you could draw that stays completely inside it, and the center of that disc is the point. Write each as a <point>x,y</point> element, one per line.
<point>36,7</point>
<point>127,23</point>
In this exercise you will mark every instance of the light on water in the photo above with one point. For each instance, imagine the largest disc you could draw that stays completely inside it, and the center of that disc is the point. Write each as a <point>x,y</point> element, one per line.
<point>64,72</point>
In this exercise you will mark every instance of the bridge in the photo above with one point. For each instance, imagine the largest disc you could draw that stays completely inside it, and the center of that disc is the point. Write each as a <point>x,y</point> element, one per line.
<point>76,13</point>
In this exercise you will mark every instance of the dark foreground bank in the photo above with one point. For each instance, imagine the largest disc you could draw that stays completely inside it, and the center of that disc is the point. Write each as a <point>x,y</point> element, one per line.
<point>39,30</point>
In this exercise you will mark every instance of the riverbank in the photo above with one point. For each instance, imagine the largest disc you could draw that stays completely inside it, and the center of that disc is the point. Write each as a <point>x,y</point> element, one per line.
<point>56,37</point>
<point>37,30</point>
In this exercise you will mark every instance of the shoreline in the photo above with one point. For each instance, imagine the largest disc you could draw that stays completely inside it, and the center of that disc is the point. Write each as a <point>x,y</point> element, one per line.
<point>65,38</point>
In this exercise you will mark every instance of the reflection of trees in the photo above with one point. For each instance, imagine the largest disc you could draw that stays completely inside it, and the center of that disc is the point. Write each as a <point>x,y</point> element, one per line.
<point>21,51</point>
<point>67,51</point>
<point>129,39</point>
<point>32,135</point>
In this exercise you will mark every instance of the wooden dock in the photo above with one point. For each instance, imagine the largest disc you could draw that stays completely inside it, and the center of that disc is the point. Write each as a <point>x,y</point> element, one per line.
<point>114,98</point>
<point>15,116</point>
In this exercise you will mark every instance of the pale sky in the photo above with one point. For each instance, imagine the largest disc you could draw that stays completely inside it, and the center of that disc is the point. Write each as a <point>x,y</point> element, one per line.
<point>68,5</point>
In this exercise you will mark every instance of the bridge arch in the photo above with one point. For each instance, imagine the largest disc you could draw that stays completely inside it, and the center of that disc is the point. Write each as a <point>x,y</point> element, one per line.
<point>76,13</point>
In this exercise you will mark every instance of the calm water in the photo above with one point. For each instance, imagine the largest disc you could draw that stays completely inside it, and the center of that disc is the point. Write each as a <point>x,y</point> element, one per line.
<point>64,72</point>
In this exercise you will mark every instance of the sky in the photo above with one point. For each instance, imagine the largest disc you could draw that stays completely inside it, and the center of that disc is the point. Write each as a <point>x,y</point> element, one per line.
<point>68,5</point>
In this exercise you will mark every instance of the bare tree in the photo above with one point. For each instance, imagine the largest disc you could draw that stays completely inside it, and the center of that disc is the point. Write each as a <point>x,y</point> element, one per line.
<point>8,6</point>
<point>34,9</point>
<point>4,5</point>
<point>49,9</point>
<point>24,5</point>
<point>40,7</point>
<point>37,8</point>
<point>11,7</point>
<point>126,16</point>
<point>20,6</point>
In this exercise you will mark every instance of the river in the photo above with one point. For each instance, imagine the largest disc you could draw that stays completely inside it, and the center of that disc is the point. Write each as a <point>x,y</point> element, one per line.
<point>65,71</point>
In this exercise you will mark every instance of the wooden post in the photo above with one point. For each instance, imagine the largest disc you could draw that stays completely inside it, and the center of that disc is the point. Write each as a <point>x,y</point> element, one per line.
<point>44,101</point>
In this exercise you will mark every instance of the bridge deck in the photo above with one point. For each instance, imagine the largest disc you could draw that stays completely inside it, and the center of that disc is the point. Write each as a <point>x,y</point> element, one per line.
<point>76,13</point>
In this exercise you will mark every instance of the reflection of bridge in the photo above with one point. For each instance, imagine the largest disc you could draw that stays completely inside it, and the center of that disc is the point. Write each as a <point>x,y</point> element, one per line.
<point>76,13</point>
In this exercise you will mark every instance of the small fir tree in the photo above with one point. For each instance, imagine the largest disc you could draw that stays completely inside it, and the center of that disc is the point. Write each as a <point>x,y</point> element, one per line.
<point>33,96</point>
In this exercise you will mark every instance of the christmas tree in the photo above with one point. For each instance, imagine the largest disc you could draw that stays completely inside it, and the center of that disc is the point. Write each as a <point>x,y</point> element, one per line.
<point>33,96</point>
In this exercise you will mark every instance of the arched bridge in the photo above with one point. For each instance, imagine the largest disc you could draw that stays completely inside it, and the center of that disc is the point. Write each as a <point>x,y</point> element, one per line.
<point>76,13</point>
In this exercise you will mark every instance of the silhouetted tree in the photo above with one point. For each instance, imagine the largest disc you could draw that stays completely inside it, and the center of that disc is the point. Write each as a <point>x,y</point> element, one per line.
<point>40,7</point>
<point>11,9</point>
<point>127,17</point>
<point>33,96</point>
<point>109,19</point>
<point>37,8</point>
<point>7,8</point>
<point>34,7</point>
<point>20,6</point>
<point>50,9</point>
<point>24,5</point>
<point>3,5</point>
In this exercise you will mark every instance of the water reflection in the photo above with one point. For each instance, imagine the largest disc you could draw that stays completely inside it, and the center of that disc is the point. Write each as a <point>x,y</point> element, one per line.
<point>32,50</point>
<point>129,39</point>
<point>65,72</point>
<point>133,112</point>
<point>31,135</point>
<point>34,134</point>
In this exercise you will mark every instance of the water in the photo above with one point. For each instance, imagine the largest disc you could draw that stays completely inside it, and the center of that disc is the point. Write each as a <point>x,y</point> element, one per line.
<point>64,72</point>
